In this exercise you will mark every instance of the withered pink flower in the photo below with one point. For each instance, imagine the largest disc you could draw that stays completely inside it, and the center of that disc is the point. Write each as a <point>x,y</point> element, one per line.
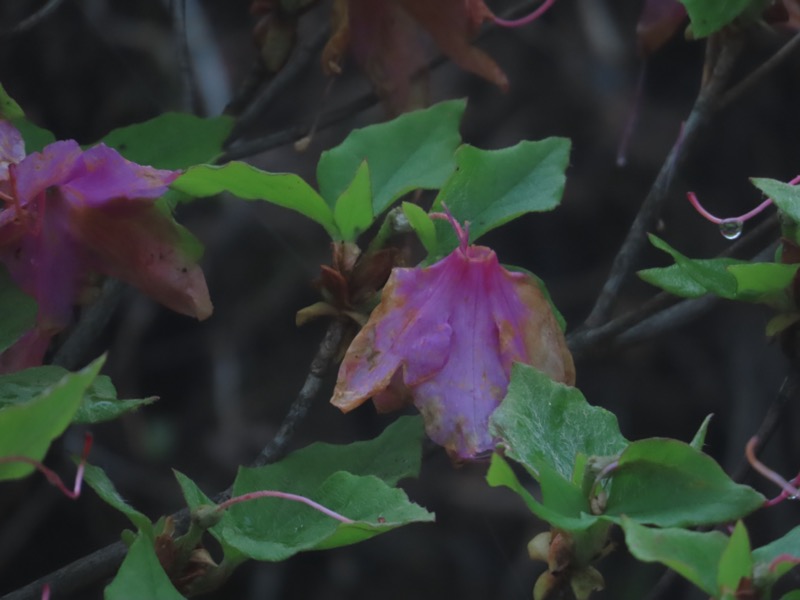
<point>445,337</point>
<point>70,213</point>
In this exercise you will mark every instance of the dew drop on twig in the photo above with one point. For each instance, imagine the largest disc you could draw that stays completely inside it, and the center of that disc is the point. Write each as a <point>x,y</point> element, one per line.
<point>731,230</point>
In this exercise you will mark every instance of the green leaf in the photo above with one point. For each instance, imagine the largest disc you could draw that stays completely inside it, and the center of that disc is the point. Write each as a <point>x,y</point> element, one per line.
<point>353,210</point>
<point>786,197</point>
<point>675,280</point>
<point>492,187</point>
<point>566,516</point>
<point>18,310</point>
<point>422,225</point>
<point>793,595</point>
<point>141,576</point>
<point>691,554</point>
<point>274,529</point>
<point>699,439</point>
<point>668,483</point>
<point>545,423</point>
<point>27,429</point>
<point>97,479</point>
<point>247,182</point>
<point>736,562</point>
<point>171,140</point>
<point>784,547</point>
<point>413,151</point>
<point>757,281</point>
<point>709,274</point>
<point>9,109</point>
<point>709,16</point>
<point>99,403</point>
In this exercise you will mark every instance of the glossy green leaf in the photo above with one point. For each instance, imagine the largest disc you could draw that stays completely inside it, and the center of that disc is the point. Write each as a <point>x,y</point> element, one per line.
<point>757,280</point>
<point>709,274</point>
<point>27,429</point>
<point>492,187</point>
<point>786,197</point>
<point>274,529</point>
<point>709,16</point>
<point>567,516</point>
<point>422,225</point>
<point>693,555</point>
<point>99,403</point>
<point>793,595</point>
<point>353,210</point>
<point>247,182</point>
<point>542,422</point>
<point>675,280</point>
<point>141,576</point>
<point>18,310</point>
<point>699,439</point>
<point>736,562</point>
<point>413,151</point>
<point>668,483</point>
<point>171,140</point>
<point>97,479</point>
<point>786,547</point>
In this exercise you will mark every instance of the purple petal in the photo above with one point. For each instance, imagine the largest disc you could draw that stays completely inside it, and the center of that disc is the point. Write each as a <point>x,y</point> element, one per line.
<point>12,147</point>
<point>103,175</point>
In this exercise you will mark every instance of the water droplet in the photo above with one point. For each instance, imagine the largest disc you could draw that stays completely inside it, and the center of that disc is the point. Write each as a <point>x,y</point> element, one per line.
<point>731,230</point>
<point>792,498</point>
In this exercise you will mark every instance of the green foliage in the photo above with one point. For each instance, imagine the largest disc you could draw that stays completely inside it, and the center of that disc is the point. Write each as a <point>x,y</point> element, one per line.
<point>692,554</point>
<point>668,483</point>
<point>28,428</point>
<point>353,480</point>
<point>736,562</point>
<point>141,576</point>
<point>247,182</point>
<point>545,423</point>
<point>35,137</point>
<point>786,197</point>
<point>18,310</point>
<point>492,187</point>
<point>353,210</point>
<point>709,16</point>
<point>171,140</point>
<point>97,479</point>
<point>724,277</point>
<point>413,151</point>
<point>98,404</point>
<point>423,225</point>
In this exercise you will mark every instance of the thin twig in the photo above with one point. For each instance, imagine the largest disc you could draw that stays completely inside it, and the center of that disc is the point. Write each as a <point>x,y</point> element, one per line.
<point>763,69</point>
<point>103,563</point>
<point>33,20</point>
<point>184,60</point>
<point>704,106</point>
<point>299,409</point>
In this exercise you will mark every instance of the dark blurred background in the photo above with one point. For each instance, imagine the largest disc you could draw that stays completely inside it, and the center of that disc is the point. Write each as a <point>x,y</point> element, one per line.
<point>225,384</point>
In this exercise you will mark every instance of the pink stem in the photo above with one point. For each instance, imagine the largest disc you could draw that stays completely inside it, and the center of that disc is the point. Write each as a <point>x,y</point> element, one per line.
<point>789,489</point>
<point>52,476</point>
<point>528,18</point>
<point>741,218</point>
<point>462,233</point>
<point>286,496</point>
<point>46,591</point>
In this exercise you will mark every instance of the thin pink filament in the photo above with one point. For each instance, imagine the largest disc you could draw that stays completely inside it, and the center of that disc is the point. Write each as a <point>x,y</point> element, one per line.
<point>789,488</point>
<point>528,18</point>
<point>286,496</point>
<point>52,476</point>
<point>462,233</point>
<point>741,218</point>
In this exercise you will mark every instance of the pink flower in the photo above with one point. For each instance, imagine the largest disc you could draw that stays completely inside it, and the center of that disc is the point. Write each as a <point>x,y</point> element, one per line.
<point>71,213</point>
<point>445,337</point>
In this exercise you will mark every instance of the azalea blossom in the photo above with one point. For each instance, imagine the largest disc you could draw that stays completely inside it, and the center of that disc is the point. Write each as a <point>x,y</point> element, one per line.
<point>445,337</point>
<point>71,213</point>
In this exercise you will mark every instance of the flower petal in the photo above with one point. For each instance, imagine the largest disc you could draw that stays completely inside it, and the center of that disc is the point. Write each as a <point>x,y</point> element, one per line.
<point>12,147</point>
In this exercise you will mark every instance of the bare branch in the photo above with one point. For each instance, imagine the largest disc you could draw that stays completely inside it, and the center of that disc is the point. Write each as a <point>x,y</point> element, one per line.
<point>704,106</point>
<point>33,20</point>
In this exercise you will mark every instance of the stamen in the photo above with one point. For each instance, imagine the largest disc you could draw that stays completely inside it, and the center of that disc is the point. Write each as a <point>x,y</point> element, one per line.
<point>462,233</point>
<point>545,6</point>
<point>789,489</point>
<point>286,496</point>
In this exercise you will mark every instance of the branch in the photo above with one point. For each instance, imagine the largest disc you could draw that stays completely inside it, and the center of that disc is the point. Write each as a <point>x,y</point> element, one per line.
<point>763,69</point>
<point>706,103</point>
<point>104,563</point>
<point>33,20</point>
